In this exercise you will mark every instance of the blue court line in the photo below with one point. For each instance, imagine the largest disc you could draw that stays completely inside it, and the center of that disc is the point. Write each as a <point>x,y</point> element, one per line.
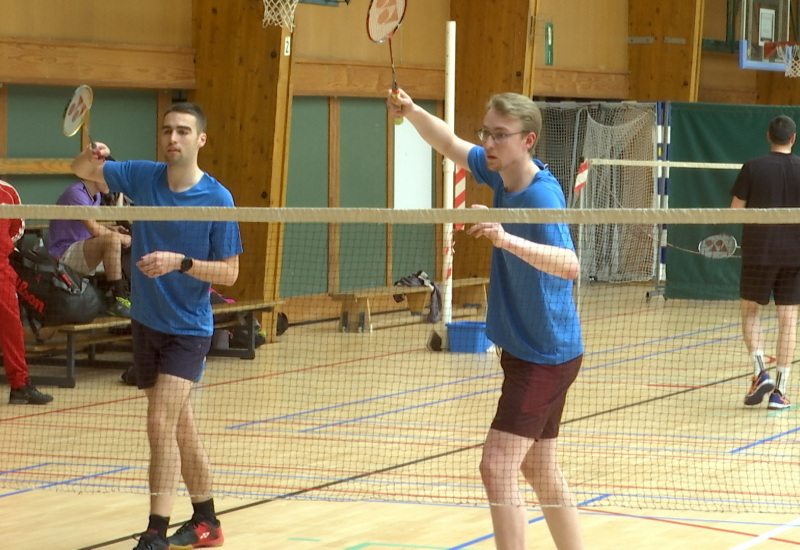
<point>497,374</point>
<point>530,522</point>
<point>361,401</point>
<point>395,411</point>
<point>762,441</point>
<point>388,545</point>
<point>65,482</point>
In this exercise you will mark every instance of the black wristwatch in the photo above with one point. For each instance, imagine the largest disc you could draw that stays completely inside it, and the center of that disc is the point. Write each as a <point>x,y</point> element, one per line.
<point>186,264</point>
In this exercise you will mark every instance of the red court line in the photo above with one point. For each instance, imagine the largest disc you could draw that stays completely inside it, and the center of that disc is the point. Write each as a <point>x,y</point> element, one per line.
<point>237,381</point>
<point>687,524</point>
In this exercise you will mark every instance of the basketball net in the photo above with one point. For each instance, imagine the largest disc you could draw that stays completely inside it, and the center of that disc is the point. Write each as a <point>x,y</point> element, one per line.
<point>279,13</point>
<point>793,61</point>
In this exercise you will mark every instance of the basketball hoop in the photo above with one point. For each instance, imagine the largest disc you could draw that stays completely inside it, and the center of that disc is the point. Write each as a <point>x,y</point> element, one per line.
<point>793,61</point>
<point>787,53</point>
<point>279,13</point>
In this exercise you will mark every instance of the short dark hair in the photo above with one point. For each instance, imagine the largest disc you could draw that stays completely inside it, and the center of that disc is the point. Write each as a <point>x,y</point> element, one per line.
<point>190,108</point>
<point>781,130</point>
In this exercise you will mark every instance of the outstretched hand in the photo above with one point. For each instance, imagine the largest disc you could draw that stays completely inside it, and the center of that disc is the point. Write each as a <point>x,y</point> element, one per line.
<point>491,230</point>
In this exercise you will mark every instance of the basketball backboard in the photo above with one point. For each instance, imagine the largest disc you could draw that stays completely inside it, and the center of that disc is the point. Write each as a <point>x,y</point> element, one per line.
<point>761,22</point>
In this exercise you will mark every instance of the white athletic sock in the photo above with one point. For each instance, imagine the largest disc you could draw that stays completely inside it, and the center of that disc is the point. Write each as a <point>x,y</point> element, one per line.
<point>782,379</point>
<point>758,362</point>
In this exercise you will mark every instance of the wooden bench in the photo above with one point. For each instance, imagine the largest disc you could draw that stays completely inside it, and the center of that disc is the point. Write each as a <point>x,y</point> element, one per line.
<point>356,311</point>
<point>69,340</point>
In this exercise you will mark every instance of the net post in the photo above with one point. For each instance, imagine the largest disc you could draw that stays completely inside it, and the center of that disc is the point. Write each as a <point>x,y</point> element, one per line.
<point>447,192</point>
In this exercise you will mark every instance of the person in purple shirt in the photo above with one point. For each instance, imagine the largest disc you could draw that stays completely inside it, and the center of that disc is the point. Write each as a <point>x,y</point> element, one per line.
<point>84,244</point>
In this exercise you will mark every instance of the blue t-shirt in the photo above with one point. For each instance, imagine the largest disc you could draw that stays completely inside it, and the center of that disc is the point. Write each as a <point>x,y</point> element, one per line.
<point>531,314</point>
<point>174,303</point>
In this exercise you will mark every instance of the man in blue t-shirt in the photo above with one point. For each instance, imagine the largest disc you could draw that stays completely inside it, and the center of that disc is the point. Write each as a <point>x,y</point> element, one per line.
<point>531,314</point>
<point>175,264</point>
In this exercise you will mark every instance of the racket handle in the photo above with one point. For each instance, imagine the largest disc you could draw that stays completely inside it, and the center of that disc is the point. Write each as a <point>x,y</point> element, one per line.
<point>399,120</point>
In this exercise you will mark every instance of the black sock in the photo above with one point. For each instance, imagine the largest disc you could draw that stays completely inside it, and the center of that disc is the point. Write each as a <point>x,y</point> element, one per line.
<point>118,288</point>
<point>158,524</point>
<point>205,510</point>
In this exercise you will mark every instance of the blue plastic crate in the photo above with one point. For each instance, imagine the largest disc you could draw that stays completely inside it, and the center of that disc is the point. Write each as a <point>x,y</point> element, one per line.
<point>468,337</point>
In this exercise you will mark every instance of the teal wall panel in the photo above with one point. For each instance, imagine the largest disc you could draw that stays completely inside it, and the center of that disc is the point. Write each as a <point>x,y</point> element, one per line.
<point>704,132</point>
<point>123,119</point>
<point>305,246</point>
<point>363,185</point>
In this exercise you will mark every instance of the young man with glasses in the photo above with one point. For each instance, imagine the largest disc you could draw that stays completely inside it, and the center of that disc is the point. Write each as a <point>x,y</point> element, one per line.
<point>531,314</point>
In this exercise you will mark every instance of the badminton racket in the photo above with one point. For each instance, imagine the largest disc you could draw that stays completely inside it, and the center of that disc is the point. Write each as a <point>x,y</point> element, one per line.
<point>718,246</point>
<point>383,19</point>
<point>76,111</point>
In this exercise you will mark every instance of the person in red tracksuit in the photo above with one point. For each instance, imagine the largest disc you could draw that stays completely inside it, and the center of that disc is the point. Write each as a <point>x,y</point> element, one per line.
<point>12,339</point>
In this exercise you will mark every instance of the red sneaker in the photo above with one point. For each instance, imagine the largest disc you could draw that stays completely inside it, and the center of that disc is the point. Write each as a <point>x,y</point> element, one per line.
<point>196,533</point>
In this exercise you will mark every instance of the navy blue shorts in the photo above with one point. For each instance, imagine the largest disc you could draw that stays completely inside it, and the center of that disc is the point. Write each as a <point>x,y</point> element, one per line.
<point>758,282</point>
<point>157,353</point>
<point>533,396</point>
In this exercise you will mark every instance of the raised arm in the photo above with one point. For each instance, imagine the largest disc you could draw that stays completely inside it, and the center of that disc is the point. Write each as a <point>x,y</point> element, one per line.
<point>432,129</point>
<point>88,164</point>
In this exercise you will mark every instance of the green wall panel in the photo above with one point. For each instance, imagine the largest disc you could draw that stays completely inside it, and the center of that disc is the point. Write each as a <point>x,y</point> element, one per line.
<point>704,132</point>
<point>305,245</point>
<point>123,119</point>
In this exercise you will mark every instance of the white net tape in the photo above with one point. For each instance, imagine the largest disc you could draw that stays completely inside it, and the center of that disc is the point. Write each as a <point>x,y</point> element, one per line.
<point>279,13</point>
<point>793,61</point>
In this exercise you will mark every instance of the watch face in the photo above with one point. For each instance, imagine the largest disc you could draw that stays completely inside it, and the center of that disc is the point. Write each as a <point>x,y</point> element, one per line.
<point>186,264</point>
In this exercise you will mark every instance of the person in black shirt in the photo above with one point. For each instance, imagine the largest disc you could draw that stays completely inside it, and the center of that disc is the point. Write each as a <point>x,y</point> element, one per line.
<point>770,259</point>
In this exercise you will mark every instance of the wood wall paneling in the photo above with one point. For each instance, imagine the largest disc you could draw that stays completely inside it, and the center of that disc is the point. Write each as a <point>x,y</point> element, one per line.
<point>588,35</point>
<point>580,83</point>
<point>314,77</point>
<point>490,58</point>
<point>142,22</point>
<point>775,88</point>
<point>60,63</point>
<point>244,82</point>
<point>664,56</point>
<point>340,34</point>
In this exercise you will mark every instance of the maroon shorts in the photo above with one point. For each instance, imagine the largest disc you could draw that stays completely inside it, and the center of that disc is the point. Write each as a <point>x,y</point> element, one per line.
<point>533,396</point>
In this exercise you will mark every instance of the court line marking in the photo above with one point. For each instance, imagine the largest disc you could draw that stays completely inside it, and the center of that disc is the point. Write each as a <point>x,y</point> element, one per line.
<point>768,535</point>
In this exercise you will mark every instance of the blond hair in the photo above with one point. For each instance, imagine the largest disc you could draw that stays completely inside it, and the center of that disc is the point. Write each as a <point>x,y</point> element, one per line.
<point>520,107</point>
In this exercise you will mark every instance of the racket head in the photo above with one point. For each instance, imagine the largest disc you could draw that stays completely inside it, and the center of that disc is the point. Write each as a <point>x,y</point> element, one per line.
<point>384,18</point>
<point>718,246</point>
<point>76,110</point>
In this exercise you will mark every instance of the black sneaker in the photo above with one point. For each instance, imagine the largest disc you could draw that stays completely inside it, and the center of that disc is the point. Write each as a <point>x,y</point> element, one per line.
<point>150,540</point>
<point>28,395</point>
<point>120,307</point>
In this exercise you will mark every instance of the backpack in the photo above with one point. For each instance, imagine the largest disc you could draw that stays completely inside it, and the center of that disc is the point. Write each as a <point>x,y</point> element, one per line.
<point>239,336</point>
<point>52,293</point>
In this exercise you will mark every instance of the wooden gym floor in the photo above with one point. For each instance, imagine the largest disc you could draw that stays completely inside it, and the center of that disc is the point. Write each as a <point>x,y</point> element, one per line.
<point>368,441</point>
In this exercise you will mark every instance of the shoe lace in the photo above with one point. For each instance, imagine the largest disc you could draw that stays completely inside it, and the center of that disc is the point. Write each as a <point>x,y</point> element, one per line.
<point>189,526</point>
<point>147,541</point>
<point>124,301</point>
